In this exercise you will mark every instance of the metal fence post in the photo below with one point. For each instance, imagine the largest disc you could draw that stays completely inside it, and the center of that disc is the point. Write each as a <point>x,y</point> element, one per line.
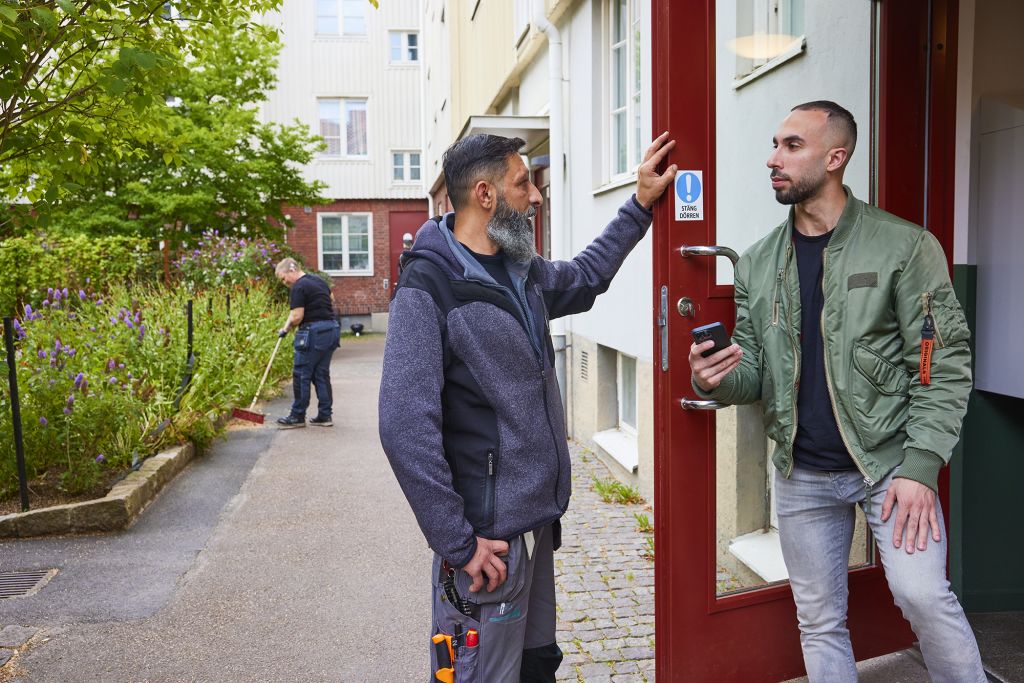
<point>227,299</point>
<point>19,445</point>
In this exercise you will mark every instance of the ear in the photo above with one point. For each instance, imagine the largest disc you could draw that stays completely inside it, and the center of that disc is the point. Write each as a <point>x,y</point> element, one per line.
<point>836,159</point>
<point>484,194</point>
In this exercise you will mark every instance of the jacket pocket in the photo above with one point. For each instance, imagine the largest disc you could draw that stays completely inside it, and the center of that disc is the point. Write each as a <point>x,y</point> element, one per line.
<point>950,323</point>
<point>515,578</point>
<point>880,394</point>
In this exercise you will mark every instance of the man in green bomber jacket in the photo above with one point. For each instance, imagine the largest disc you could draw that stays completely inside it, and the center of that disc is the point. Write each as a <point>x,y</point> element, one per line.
<point>848,332</point>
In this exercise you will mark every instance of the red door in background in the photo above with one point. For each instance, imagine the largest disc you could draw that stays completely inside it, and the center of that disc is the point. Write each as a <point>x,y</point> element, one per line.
<point>400,225</point>
<point>713,625</point>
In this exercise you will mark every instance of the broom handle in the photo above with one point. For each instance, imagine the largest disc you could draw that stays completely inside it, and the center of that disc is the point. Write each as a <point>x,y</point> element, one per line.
<point>265,373</point>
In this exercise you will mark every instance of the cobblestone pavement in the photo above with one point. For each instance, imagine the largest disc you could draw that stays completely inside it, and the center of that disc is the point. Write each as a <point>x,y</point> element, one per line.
<point>605,584</point>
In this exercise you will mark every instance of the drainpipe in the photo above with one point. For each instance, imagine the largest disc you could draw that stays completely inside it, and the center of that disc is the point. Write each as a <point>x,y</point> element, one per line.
<point>557,170</point>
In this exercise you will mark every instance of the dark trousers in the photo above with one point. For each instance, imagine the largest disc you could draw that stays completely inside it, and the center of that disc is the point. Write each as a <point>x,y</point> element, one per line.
<point>313,366</point>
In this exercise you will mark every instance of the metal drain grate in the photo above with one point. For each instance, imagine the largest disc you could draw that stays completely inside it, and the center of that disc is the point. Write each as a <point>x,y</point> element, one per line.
<point>20,584</point>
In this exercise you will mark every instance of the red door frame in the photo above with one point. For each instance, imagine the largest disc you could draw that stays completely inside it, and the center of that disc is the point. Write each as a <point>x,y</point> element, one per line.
<point>753,636</point>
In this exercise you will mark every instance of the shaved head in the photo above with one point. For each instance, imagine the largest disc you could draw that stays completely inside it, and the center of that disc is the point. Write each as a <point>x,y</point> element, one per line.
<point>840,126</point>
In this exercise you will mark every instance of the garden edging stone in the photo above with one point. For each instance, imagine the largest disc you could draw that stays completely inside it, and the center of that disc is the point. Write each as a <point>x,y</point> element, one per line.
<point>117,510</point>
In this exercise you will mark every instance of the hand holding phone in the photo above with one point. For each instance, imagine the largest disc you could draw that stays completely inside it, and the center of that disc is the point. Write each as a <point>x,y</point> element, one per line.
<point>714,331</point>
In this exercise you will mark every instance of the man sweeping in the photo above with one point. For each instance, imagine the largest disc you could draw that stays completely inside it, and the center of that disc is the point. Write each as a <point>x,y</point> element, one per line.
<point>317,335</point>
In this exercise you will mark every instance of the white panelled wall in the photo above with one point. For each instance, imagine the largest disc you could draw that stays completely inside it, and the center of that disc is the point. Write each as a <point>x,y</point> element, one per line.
<point>349,57</point>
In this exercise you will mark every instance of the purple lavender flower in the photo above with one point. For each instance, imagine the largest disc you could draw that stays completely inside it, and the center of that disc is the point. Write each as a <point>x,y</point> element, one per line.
<point>72,315</point>
<point>112,380</point>
<point>92,328</point>
<point>113,320</point>
<point>28,312</point>
<point>58,346</point>
<point>65,292</point>
<point>121,365</point>
<point>43,421</point>
<point>138,317</point>
<point>100,458</point>
<point>78,380</point>
<point>81,294</point>
<point>263,252</point>
<point>18,329</point>
<point>129,324</point>
<point>142,332</point>
<point>46,302</point>
<point>130,376</point>
<point>99,302</point>
<point>88,280</point>
<point>223,273</point>
<point>49,291</point>
<point>110,364</point>
<point>52,382</point>
<point>43,354</point>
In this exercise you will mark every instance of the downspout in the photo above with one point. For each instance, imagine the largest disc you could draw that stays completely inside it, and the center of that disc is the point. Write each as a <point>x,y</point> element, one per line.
<point>557,169</point>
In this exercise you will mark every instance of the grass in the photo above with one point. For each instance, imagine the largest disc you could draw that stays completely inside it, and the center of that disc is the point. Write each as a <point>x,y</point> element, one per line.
<point>612,491</point>
<point>649,551</point>
<point>643,523</point>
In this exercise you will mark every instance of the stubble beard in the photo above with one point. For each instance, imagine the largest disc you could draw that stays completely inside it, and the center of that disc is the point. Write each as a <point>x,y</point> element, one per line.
<point>512,231</point>
<point>799,190</point>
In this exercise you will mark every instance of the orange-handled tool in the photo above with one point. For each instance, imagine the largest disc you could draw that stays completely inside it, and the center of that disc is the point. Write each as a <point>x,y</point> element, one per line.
<point>445,658</point>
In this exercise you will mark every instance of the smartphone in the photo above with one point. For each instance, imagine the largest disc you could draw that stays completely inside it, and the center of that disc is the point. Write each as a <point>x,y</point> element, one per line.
<point>715,331</point>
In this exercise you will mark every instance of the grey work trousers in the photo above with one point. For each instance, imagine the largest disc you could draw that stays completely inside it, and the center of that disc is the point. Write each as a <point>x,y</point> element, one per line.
<point>515,623</point>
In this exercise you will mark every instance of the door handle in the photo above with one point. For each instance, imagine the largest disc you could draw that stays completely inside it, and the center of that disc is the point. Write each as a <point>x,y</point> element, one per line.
<point>686,251</point>
<point>694,404</point>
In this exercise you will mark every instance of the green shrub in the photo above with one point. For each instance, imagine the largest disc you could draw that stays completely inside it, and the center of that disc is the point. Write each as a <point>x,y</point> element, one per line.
<point>29,265</point>
<point>99,372</point>
<point>231,260</point>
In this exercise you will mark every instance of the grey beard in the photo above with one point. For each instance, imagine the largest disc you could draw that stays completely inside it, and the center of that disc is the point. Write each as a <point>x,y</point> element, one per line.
<point>800,191</point>
<point>512,231</point>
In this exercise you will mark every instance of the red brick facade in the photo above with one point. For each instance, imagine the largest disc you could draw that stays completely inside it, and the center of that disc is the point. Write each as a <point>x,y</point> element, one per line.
<point>354,294</point>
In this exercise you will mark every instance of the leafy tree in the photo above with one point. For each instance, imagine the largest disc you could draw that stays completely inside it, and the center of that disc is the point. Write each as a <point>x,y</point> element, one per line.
<point>78,72</point>
<point>215,164</point>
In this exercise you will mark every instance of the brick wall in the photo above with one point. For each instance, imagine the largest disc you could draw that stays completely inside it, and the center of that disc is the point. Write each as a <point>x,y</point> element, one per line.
<point>354,294</point>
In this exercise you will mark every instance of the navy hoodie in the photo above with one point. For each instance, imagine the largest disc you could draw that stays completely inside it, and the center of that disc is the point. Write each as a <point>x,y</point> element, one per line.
<point>470,414</point>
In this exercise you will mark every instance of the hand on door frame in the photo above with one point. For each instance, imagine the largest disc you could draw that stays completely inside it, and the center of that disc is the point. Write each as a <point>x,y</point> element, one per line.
<point>649,183</point>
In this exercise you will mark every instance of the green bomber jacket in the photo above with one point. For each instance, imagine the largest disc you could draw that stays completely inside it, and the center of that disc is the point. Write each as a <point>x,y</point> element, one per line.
<point>882,275</point>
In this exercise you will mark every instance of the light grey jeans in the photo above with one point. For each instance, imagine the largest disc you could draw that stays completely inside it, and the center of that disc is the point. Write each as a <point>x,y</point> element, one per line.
<point>816,520</point>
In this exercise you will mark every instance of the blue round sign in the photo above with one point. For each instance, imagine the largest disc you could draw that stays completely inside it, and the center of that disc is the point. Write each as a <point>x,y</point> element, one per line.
<point>688,187</point>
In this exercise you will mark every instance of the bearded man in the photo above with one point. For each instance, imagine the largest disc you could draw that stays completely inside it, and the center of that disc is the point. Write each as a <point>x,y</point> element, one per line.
<point>470,414</point>
<point>850,335</point>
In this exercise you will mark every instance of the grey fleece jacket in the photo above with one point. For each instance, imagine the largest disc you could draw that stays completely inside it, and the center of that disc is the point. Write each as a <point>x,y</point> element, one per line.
<point>470,414</point>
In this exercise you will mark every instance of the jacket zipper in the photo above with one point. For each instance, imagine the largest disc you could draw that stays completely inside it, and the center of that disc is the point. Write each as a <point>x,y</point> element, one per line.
<point>868,481</point>
<point>489,490</point>
<point>796,354</point>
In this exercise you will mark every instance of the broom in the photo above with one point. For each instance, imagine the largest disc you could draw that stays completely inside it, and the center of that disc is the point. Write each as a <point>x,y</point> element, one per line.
<point>250,414</point>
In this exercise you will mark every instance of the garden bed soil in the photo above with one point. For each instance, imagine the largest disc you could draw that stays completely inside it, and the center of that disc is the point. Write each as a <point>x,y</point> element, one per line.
<point>45,492</point>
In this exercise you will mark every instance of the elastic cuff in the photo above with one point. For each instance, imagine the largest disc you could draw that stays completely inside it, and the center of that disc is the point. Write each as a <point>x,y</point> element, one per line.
<point>640,206</point>
<point>463,559</point>
<point>921,466</point>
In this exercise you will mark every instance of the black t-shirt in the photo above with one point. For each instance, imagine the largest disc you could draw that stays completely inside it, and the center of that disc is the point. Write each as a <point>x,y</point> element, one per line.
<point>495,267</point>
<point>314,296</point>
<point>818,444</point>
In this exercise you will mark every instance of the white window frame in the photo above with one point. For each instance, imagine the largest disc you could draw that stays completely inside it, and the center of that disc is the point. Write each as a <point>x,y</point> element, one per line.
<point>403,47</point>
<point>632,108</point>
<point>344,215</point>
<point>343,126</point>
<point>340,30</point>
<point>407,166</point>
<point>765,18</point>
<point>623,397</point>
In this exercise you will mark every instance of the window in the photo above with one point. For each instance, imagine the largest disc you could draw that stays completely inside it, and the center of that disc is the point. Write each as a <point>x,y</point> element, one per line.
<point>405,47</point>
<point>341,17</point>
<point>624,96</point>
<point>405,167</point>
<point>766,30</point>
<point>343,127</point>
<point>345,243</point>
<point>627,393</point>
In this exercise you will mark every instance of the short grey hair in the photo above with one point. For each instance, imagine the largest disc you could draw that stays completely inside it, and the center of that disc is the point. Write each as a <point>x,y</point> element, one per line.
<point>286,265</point>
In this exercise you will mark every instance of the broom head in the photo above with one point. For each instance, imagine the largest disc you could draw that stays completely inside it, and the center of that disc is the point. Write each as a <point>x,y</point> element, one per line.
<point>249,415</point>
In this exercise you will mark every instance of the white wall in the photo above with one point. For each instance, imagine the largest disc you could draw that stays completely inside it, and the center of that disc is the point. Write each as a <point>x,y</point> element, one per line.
<point>312,67</point>
<point>623,317</point>
<point>836,66</point>
<point>437,88</point>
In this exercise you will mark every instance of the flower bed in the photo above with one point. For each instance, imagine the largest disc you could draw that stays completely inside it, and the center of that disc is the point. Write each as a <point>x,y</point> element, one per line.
<point>100,372</point>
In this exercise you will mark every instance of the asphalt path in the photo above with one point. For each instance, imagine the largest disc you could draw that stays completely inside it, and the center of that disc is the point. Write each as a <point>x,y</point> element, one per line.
<point>276,556</point>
